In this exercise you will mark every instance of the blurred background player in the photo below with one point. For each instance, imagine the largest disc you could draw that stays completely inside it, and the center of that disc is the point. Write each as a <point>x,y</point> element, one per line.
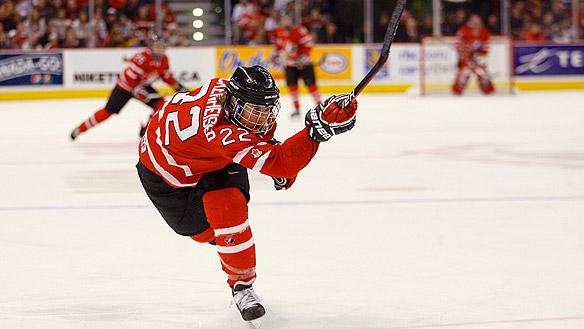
<point>473,47</point>
<point>136,81</point>
<point>194,155</point>
<point>295,42</point>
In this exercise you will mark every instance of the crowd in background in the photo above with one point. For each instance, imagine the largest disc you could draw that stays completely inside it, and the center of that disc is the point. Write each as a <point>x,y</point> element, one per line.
<point>125,23</point>
<point>531,20</point>
<point>51,24</point>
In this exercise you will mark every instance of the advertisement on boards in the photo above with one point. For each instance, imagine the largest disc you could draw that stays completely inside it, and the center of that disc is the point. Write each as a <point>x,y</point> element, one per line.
<point>89,69</point>
<point>331,63</point>
<point>31,69</point>
<point>549,60</point>
<point>402,66</point>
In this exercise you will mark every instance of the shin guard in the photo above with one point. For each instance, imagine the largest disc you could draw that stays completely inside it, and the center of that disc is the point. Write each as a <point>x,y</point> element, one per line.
<point>226,211</point>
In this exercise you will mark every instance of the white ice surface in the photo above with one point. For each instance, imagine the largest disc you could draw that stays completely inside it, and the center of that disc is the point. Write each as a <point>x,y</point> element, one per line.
<point>432,213</point>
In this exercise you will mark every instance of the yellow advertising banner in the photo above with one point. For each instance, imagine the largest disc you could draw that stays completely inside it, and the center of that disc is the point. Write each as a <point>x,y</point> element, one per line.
<point>331,63</point>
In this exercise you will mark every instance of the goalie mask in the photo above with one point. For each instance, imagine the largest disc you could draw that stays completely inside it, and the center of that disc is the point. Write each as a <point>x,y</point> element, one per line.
<point>252,99</point>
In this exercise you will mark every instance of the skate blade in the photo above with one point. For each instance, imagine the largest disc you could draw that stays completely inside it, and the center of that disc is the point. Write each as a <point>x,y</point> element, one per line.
<point>255,323</point>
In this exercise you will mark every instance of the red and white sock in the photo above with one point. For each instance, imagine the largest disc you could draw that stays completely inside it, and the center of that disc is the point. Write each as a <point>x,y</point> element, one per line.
<point>315,93</point>
<point>95,119</point>
<point>294,93</point>
<point>226,211</point>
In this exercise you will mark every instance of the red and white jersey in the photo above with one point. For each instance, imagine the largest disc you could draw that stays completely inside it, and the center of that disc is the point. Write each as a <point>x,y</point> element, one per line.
<point>294,44</point>
<point>144,69</point>
<point>190,136</point>
<point>472,41</point>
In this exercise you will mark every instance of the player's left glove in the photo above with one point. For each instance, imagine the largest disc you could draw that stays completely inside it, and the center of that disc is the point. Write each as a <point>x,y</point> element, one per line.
<point>330,118</point>
<point>283,183</point>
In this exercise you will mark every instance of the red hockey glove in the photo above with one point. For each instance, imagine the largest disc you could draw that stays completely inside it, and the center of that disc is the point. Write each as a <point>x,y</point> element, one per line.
<point>283,183</point>
<point>329,118</point>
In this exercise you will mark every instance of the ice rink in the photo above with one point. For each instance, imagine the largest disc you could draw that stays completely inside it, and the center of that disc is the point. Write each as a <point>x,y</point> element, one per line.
<point>433,212</point>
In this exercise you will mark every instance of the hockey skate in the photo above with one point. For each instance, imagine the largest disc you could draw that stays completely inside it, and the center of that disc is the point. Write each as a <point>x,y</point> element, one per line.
<point>295,114</point>
<point>249,304</point>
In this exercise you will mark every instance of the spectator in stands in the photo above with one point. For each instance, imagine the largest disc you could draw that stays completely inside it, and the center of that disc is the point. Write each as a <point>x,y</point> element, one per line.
<point>454,21</point>
<point>559,11</point>
<point>99,31</point>
<point>71,40</point>
<point>115,37</point>
<point>250,24</point>
<point>315,23</point>
<point>142,23</point>
<point>265,7</point>
<point>43,8</point>
<point>380,27</point>
<point>411,28</point>
<point>111,18</point>
<point>402,32</point>
<point>323,6</point>
<point>564,32</point>
<point>18,37</point>
<point>331,33</point>
<point>131,9</point>
<point>101,7</point>
<point>126,25</point>
<point>61,22</point>
<point>38,25</point>
<point>427,26</point>
<point>243,6</point>
<point>53,41</point>
<point>82,28</point>
<point>270,25</point>
<point>493,24</point>
<point>517,20</point>
<point>534,33</point>
<point>4,41</point>
<point>118,5</point>
<point>45,38</point>
<point>72,9</point>
<point>168,16</point>
<point>7,15</point>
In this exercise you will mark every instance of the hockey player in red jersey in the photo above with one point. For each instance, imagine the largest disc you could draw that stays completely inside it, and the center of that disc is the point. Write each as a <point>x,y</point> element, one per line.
<point>196,152</point>
<point>473,47</point>
<point>135,82</point>
<point>294,43</point>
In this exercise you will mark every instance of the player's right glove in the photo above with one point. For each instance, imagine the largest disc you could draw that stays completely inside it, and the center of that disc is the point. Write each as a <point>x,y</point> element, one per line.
<point>330,118</point>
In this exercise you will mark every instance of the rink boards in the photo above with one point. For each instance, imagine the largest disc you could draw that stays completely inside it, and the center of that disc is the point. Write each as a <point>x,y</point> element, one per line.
<point>86,73</point>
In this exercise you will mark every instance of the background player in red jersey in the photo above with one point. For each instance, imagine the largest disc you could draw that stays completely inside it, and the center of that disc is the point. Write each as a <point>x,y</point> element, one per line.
<point>473,47</point>
<point>136,82</point>
<point>195,154</point>
<point>295,42</point>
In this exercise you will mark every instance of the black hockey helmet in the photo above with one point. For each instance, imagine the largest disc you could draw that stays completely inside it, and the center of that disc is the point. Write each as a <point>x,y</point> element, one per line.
<point>252,99</point>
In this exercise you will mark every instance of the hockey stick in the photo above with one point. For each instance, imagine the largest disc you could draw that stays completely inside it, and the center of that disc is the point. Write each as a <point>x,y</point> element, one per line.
<point>384,55</point>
